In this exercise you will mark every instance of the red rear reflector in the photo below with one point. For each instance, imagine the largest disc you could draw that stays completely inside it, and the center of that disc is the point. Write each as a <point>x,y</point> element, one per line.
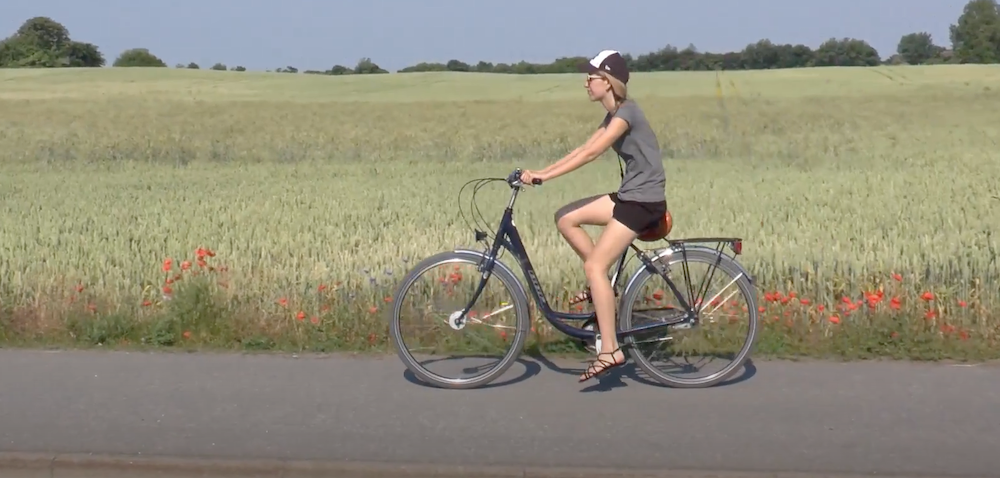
<point>737,247</point>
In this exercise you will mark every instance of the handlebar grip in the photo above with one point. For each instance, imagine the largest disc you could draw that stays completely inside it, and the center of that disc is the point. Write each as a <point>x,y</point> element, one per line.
<point>536,181</point>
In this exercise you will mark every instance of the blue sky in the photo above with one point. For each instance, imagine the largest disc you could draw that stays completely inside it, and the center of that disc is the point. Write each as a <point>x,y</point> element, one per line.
<point>316,34</point>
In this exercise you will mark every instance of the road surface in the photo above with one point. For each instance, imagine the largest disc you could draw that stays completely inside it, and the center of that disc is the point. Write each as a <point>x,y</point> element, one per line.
<point>852,418</point>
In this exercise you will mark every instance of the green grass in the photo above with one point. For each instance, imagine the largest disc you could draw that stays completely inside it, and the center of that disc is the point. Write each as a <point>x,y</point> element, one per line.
<point>836,178</point>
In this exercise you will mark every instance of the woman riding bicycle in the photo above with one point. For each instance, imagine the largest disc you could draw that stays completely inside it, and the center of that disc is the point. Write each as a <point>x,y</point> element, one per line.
<point>639,204</point>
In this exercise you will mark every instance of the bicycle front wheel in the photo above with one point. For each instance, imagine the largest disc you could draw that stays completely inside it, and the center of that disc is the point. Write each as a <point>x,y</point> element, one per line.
<point>428,332</point>
<point>725,302</point>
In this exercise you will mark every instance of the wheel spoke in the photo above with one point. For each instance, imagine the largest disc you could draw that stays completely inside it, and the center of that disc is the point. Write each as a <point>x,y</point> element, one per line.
<point>425,291</point>
<point>716,333</point>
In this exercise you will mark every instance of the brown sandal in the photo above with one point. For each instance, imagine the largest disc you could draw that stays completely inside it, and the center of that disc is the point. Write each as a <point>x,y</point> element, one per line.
<point>592,371</point>
<point>584,295</point>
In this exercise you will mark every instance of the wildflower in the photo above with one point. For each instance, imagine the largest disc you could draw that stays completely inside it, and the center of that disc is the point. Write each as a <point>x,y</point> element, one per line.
<point>962,303</point>
<point>897,277</point>
<point>834,319</point>
<point>301,315</point>
<point>202,252</point>
<point>927,296</point>
<point>185,265</point>
<point>167,264</point>
<point>283,302</point>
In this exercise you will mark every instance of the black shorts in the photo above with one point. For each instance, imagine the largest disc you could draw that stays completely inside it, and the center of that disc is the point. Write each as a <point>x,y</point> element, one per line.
<point>638,216</point>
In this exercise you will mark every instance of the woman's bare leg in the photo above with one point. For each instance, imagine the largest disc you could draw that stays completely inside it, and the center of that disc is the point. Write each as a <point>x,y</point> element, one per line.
<point>613,241</point>
<point>591,211</point>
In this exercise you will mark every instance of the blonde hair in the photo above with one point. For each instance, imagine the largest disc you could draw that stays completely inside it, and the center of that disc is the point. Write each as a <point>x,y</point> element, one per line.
<point>619,89</point>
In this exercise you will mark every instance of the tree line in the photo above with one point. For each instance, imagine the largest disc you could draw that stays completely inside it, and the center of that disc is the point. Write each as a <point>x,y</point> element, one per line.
<point>42,42</point>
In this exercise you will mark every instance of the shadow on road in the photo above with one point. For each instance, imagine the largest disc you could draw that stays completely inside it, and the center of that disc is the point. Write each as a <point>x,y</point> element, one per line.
<point>608,382</point>
<point>613,379</point>
<point>530,370</point>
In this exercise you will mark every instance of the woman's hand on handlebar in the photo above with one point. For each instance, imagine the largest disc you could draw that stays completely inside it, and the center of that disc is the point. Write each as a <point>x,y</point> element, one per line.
<point>531,177</point>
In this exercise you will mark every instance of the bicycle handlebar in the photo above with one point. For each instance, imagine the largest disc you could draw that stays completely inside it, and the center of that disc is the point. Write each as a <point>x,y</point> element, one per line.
<point>514,179</point>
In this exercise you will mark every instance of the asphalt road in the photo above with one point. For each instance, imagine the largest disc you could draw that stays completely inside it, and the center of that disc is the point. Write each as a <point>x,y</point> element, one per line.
<point>873,417</point>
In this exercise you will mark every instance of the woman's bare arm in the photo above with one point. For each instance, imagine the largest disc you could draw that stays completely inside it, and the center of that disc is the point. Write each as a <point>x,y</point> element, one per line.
<point>575,152</point>
<point>601,141</point>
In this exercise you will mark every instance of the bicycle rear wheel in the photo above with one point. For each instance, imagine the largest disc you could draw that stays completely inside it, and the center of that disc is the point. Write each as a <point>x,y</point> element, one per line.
<point>719,313</point>
<point>497,323</point>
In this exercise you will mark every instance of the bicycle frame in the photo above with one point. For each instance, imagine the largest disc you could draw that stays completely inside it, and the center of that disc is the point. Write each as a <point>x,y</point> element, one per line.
<point>508,237</point>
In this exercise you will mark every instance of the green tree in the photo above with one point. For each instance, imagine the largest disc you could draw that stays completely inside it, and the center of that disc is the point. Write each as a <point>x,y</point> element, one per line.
<point>42,42</point>
<point>138,57</point>
<point>760,55</point>
<point>44,33</point>
<point>341,70</point>
<point>975,38</point>
<point>80,54</point>
<point>456,65</point>
<point>366,66</point>
<point>484,67</point>
<point>846,52</point>
<point>917,48</point>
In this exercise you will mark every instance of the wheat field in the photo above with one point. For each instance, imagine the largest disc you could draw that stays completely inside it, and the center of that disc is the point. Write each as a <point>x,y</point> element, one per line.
<point>315,194</point>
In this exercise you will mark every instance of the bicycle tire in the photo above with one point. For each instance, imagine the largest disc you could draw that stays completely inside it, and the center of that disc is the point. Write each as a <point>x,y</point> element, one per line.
<point>722,263</point>
<point>523,322</point>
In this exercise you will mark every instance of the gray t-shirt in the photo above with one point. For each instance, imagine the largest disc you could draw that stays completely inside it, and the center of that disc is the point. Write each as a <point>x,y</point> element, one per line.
<point>645,180</point>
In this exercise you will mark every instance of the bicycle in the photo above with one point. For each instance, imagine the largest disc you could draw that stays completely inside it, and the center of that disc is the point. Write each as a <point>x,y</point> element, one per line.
<point>656,263</point>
